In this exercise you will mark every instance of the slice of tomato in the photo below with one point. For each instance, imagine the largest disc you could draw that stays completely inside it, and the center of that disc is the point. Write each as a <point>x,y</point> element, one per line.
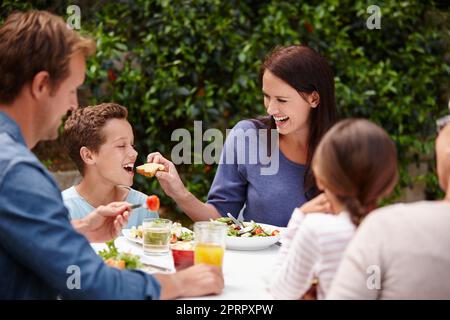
<point>153,203</point>
<point>258,231</point>
<point>174,238</point>
<point>110,262</point>
<point>275,232</point>
<point>120,264</point>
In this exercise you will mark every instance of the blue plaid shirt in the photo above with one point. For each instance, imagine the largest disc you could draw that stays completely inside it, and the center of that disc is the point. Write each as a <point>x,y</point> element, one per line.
<point>40,252</point>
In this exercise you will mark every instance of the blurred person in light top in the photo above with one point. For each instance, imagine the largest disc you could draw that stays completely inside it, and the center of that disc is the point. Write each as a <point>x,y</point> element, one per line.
<point>355,165</point>
<point>402,251</point>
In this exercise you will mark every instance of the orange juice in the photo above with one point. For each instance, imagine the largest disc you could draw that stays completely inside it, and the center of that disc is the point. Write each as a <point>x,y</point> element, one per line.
<point>211,254</point>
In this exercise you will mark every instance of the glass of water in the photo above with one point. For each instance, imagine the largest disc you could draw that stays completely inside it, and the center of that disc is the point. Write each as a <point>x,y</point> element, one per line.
<point>156,233</point>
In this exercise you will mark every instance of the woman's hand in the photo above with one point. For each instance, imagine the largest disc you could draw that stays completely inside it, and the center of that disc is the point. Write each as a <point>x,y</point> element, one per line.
<point>169,179</point>
<point>173,186</point>
<point>317,204</point>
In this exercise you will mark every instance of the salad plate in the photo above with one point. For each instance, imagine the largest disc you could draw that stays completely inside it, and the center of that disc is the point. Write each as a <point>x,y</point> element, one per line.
<point>250,236</point>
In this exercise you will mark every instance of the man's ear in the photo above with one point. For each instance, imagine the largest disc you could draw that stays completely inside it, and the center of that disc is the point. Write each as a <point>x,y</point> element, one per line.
<point>40,85</point>
<point>314,99</point>
<point>87,156</point>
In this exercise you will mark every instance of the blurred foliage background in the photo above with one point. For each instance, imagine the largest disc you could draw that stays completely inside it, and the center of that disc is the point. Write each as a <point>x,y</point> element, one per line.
<point>171,62</point>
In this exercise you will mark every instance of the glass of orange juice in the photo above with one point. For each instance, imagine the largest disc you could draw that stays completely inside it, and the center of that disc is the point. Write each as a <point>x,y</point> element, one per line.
<point>209,246</point>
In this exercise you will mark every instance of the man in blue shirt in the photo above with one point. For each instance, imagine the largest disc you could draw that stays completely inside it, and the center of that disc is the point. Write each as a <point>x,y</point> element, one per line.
<point>42,63</point>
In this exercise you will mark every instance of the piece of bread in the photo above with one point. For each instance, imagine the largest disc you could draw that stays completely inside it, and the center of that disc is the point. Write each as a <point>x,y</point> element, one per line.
<point>149,169</point>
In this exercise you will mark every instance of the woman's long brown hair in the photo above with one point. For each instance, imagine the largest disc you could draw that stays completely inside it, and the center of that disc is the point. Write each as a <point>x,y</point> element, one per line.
<point>357,162</point>
<point>306,71</point>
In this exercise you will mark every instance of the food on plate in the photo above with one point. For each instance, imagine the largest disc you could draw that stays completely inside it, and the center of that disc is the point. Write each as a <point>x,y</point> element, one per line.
<point>136,233</point>
<point>120,260</point>
<point>149,169</point>
<point>152,203</point>
<point>251,229</point>
<point>183,254</point>
<point>178,233</point>
<point>181,234</point>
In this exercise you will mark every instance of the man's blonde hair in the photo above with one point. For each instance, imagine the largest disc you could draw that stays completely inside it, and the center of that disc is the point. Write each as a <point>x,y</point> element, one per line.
<point>35,41</point>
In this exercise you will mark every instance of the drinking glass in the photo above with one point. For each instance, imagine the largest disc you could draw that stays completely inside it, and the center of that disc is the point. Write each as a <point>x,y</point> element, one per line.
<point>209,244</point>
<point>156,233</point>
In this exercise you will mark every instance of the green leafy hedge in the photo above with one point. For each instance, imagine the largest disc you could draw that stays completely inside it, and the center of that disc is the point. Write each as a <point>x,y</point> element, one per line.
<point>175,61</point>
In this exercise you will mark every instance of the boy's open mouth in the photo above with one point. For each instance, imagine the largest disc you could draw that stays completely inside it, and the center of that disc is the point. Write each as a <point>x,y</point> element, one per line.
<point>129,168</point>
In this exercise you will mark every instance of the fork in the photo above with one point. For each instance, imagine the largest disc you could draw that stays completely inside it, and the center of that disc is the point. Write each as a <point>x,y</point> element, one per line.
<point>135,206</point>
<point>163,269</point>
<point>241,224</point>
<point>235,221</point>
<point>139,205</point>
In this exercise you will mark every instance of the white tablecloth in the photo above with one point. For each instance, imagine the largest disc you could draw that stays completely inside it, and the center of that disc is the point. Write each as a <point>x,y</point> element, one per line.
<point>245,272</point>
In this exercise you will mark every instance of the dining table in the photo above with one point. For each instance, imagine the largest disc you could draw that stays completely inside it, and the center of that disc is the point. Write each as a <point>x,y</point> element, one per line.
<point>246,272</point>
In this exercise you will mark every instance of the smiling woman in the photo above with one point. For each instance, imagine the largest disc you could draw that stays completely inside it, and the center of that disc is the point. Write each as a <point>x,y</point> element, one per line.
<point>298,89</point>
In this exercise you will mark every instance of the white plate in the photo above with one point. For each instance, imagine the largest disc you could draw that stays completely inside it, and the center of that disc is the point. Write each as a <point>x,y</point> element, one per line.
<point>253,243</point>
<point>127,234</point>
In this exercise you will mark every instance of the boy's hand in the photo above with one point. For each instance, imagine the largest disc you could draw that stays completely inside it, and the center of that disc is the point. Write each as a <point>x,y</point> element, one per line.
<point>105,222</point>
<point>169,179</point>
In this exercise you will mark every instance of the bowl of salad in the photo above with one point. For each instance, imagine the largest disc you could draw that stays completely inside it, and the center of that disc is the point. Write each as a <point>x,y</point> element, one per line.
<point>250,235</point>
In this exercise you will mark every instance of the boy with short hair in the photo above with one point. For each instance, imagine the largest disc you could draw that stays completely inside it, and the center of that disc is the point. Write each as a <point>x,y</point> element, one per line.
<point>100,141</point>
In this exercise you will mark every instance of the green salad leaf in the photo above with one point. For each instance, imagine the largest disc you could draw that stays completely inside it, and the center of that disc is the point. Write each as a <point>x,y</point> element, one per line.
<point>131,261</point>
